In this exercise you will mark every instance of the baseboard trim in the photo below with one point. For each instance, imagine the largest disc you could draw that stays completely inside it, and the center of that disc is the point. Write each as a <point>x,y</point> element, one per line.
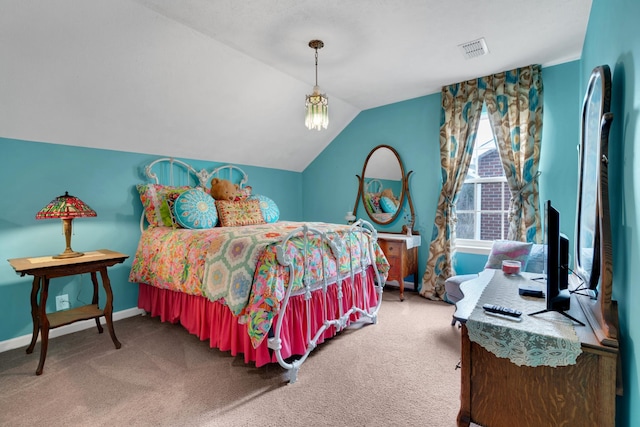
<point>24,340</point>
<point>396,284</point>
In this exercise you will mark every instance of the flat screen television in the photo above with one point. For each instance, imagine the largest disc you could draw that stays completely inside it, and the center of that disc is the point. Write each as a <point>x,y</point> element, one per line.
<point>558,298</point>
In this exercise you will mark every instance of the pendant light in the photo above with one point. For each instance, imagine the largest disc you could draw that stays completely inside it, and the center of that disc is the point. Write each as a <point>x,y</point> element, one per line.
<point>317,104</point>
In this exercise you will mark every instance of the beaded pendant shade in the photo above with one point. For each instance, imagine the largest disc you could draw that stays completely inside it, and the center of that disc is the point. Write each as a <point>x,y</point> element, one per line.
<point>66,208</point>
<point>317,104</point>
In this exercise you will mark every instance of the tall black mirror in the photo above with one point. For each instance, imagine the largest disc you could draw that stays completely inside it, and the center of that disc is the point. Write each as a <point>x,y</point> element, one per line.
<point>384,187</point>
<point>593,248</point>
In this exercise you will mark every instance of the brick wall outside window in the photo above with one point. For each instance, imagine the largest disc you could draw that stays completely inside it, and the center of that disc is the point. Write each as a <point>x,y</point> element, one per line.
<point>489,165</point>
<point>483,202</point>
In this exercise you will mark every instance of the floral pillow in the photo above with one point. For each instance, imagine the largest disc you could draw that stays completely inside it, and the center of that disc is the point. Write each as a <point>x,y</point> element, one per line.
<point>508,250</point>
<point>154,201</point>
<point>243,193</point>
<point>243,212</point>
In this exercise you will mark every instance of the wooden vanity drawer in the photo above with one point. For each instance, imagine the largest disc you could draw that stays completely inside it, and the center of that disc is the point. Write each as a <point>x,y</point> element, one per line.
<point>391,249</point>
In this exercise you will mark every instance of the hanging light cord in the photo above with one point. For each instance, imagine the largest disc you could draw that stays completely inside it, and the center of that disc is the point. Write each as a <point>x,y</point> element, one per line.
<point>316,66</point>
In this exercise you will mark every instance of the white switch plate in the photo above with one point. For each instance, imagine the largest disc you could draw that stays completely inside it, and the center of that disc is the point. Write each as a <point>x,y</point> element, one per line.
<point>62,302</point>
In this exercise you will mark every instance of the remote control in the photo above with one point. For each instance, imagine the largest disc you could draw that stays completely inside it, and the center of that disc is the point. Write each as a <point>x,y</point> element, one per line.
<point>509,318</point>
<point>498,309</point>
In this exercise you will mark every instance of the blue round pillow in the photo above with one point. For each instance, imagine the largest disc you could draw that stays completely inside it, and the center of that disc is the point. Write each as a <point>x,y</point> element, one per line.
<point>195,209</point>
<point>268,207</point>
<point>388,205</point>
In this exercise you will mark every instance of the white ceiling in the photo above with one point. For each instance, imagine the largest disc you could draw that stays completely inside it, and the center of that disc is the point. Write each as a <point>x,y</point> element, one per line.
<point>225,80</point>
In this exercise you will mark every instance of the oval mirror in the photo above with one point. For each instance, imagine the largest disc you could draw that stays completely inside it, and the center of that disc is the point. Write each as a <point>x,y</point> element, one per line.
<point>383,185</point>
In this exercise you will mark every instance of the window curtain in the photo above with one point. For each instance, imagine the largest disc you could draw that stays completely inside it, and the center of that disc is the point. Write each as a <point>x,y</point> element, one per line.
<point>461,109</point>
<point>514,103</point>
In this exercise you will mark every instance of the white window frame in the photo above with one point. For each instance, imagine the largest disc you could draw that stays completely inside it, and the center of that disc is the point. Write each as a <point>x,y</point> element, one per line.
<point>477,246</point>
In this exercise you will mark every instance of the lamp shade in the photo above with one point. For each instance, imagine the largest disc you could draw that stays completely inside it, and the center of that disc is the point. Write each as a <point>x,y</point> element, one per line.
<point>65,207</point>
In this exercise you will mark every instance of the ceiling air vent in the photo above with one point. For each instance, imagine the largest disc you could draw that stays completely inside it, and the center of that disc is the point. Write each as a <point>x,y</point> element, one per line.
<point>474,49</point>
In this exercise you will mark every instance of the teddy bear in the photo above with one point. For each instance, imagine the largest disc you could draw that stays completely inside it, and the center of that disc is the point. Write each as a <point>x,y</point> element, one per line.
<point>223,189</point>
<point>387,192</point>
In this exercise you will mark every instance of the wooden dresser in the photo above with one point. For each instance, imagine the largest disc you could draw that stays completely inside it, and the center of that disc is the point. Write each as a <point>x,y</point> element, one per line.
<point>496,392</point>
<point>402,253</point>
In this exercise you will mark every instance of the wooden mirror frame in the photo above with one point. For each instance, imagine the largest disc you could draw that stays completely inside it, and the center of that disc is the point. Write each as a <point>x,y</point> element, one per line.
<point>405,193</point>
<point>593,227</point>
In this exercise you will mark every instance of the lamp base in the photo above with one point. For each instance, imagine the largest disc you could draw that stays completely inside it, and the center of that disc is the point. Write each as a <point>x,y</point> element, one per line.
<point>68,254</point>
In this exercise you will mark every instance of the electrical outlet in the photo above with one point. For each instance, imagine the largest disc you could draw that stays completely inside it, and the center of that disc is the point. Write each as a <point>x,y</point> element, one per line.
<point>62,302</point>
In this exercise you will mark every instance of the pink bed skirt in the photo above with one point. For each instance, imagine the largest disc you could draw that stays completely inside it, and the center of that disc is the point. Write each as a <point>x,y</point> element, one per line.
<point>213,321</point>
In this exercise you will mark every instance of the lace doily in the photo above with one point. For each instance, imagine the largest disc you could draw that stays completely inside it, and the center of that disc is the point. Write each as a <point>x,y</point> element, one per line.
<point>547,339</point>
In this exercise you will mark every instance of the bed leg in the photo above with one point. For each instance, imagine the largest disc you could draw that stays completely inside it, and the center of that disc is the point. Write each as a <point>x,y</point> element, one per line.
<point>293,372</point>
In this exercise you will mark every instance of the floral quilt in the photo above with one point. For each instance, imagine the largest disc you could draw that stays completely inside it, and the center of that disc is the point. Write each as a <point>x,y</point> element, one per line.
<point>238,265</point>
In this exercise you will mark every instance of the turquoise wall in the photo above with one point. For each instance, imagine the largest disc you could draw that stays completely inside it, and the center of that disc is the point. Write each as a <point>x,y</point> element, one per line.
<point>34,173</point>
<point>412,128</point>
<point>613,39</point>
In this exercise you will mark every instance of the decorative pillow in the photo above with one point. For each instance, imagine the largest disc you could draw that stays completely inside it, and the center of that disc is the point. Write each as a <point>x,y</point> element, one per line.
<point>243,212</point>
<point>508,249</point>
<point>243,193</point>
<point>535,263</point>
<point>195,209</point>
<point>167,215</point>
<point>268,207</point>
<point>153,198</point>
<point>374,202</point>
<point>387,205</point>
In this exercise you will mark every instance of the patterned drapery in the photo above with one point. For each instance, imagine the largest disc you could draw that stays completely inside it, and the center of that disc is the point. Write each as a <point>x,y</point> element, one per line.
<point>514,103</point>
<point>461,109</point>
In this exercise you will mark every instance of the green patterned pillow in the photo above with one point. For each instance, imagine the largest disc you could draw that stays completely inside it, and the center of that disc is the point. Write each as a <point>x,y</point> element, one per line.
<point>153,198</point>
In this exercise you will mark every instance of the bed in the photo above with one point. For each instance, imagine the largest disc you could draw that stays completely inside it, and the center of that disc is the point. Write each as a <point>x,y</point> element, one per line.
<point>247,282</point>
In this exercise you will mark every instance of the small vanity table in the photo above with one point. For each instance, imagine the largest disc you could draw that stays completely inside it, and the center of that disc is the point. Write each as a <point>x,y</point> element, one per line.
<point>45,268</point>
<point>402,253</point>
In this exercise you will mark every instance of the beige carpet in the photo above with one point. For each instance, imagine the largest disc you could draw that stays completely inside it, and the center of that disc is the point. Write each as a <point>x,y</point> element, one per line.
<point>400,372</point>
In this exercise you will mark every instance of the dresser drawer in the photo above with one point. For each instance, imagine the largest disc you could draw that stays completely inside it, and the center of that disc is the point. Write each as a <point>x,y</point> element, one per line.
<point>391,249</point>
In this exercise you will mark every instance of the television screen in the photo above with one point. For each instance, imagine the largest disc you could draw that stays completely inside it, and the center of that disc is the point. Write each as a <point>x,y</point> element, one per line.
<point>557,261</point>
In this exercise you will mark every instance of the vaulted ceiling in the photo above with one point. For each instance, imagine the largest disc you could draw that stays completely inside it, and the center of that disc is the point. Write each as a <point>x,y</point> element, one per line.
<point>225,80</point>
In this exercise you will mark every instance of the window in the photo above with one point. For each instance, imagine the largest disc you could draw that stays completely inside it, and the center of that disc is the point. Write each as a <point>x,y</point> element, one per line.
<point>483,203</point>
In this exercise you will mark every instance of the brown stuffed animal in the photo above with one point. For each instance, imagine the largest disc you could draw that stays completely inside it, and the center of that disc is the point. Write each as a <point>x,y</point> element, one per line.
<point>387,192</point>
<point>222,189</point>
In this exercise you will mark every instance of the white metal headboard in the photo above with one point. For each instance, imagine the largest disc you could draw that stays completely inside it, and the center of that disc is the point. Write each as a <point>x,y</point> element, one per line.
<point>188,175</point>
<point>374,186</point>
<point>169,171</point>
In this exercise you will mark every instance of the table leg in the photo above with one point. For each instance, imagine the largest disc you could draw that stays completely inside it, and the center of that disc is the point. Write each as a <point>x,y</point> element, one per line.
<point>401,283</point>
<point>108,308</point>
<point>44,324</point>
<point>94,280</point>
<point>35,315</point>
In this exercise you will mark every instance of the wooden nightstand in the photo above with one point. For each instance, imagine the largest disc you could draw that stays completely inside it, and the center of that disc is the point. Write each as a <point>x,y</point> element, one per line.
<point>402,253</point>
<point>44,268</point>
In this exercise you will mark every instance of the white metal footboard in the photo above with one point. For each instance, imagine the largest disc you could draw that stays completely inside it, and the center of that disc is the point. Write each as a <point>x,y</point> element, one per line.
<point>367,235</point>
